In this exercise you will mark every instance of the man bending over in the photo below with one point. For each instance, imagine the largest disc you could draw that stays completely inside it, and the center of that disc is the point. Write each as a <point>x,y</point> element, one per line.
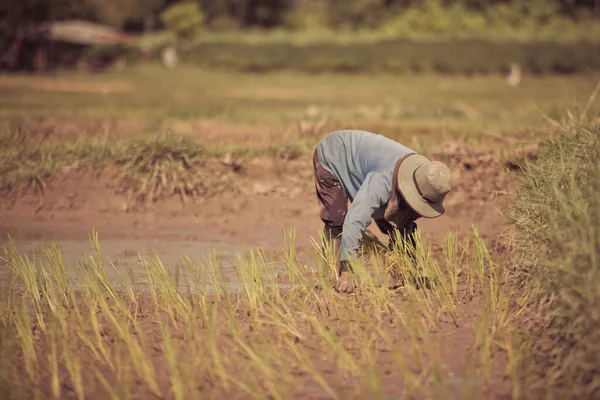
<point>384,181</point>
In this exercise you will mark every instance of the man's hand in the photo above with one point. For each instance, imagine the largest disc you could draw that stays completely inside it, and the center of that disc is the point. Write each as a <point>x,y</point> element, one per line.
<point>344,284</point>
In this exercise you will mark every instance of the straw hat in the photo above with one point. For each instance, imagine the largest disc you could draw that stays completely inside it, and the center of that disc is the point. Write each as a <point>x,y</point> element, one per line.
<point>424,184</point>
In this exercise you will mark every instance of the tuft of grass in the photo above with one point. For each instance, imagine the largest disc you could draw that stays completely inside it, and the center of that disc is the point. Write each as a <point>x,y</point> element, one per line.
<point>168,165</point>
<point>27,163</point>
<point>557,253</point>
<point>24,165</point>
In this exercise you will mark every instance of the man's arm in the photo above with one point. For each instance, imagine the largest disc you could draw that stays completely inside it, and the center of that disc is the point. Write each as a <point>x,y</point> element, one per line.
<point>373,194</point>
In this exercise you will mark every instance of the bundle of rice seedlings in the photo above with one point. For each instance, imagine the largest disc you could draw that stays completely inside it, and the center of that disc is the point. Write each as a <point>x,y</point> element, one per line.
<point>370,244</point>
<point>169,165</point>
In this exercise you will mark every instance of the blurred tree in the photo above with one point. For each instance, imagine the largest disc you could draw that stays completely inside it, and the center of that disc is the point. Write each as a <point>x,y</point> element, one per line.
<point>245,13</point>
<point>20,14</point>
<point>355,14</point>
<point>575,7</point>
<point>184,19</point>
<point>20,20</point>
<point>139,14</point>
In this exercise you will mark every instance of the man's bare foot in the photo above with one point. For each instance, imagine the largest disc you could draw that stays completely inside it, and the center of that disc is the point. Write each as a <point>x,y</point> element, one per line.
<point>344,283</point>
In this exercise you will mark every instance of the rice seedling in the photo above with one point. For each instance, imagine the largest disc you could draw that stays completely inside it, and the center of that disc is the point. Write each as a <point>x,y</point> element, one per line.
<point>218,282</point>
<point>8,345</point>
<point>511,343</point>
<point>93,341</point>
<point>53,362</point>
<point>328,256</point>
<point>173,359</point>
<point>55,271</point>
<point>72,362</point>
<point>192,350</point>
<point>123,374</point>
<point>435,370</point>
<point>437,281</point>
<point>197,291</point>
<point>371,285</point>
<point>452,260</point>
<point>484,340</point>
<point>219,360</point>
<point>165,293</point>
<point>166,166</point>
<point>101,291</point>
<point>27,274</point>
<point>23,323</point>
<point>290,257</point>
<point>250,271</point>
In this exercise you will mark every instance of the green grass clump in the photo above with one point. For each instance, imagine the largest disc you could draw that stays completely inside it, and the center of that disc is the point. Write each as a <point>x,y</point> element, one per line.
<point>557,217</point>
<point>26,163</point>
<point>22,164</point>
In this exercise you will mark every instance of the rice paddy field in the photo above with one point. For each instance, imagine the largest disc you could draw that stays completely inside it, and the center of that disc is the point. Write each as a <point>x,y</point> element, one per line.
<point>160,238</point>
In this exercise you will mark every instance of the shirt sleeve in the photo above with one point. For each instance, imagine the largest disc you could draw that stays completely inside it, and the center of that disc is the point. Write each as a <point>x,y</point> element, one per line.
<point>372,195</point>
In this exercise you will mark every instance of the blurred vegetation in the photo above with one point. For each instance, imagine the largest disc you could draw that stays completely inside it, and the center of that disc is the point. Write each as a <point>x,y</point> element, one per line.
<point>384,25</point>
<point>427,16</point>
<point>185,19</point>
<point>147,99</point>
<point>466,56</point>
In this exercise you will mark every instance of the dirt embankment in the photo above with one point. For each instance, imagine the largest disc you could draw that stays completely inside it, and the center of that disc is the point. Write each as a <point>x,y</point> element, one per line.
<point>267,194</point>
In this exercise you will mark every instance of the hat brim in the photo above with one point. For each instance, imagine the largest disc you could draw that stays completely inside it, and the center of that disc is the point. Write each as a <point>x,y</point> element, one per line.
<point>408,188</point>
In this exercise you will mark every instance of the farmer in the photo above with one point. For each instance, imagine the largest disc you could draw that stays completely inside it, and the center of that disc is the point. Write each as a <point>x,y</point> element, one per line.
<point>384,181</point>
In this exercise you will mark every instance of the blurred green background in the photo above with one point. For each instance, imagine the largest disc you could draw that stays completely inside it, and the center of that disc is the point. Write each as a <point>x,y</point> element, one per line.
<point>351,36</point>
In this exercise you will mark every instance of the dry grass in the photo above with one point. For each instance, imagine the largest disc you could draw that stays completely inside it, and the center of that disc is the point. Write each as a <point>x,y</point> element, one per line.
<point>557,245</point>
<point>168,165</point>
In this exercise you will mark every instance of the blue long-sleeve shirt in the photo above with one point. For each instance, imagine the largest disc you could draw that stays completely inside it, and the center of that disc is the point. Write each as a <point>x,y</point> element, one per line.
<point>363,162</point>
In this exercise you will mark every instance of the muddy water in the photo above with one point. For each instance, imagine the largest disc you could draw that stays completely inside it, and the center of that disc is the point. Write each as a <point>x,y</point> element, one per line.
<point>124,253</point>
